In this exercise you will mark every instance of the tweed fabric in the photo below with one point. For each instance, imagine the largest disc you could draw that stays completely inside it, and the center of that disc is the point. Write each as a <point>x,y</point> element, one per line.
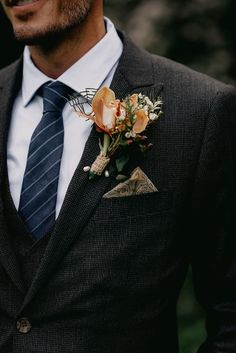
<point>108,277</point>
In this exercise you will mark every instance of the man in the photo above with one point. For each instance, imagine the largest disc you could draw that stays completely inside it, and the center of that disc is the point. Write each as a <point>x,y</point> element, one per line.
<point>84,273</point>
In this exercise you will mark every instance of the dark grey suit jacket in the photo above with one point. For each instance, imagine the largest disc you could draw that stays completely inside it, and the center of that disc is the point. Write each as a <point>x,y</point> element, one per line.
<point>109,279</point>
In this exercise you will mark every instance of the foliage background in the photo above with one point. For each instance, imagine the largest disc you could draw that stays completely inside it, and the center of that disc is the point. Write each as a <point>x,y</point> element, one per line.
<point>198,33</point>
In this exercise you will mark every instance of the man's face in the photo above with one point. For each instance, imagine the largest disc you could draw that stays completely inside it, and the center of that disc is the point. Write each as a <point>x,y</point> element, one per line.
<point>36,21</point>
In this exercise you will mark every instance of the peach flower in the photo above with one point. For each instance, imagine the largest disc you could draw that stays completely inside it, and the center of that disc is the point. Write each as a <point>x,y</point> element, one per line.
<point>141,121</point>
<point>106,108</point>
<point>134,100</point>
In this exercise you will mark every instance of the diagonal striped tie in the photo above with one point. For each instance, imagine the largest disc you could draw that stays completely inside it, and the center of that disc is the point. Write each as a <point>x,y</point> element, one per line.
<point>39,188</point>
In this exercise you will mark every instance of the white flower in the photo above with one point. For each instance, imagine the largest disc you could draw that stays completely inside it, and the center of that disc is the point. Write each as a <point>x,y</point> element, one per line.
<point>148,101</point>
<point>132,134</point>
<point>153,116</point>
<point>145,108</point>
<point>158,104</point>
<point>121,118</point>
<point>122,115</point>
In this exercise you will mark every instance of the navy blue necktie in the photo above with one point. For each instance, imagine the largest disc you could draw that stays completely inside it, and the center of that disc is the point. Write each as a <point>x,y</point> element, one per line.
<point>40,183</point>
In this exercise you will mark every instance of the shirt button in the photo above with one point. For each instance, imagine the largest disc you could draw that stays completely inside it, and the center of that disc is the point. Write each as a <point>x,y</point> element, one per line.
<point>23,325</point>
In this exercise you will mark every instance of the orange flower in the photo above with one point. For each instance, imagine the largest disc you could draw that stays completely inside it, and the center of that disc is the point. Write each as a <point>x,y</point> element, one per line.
<point>141,121</point>
<point>134,100</point>
<point>106,108</point>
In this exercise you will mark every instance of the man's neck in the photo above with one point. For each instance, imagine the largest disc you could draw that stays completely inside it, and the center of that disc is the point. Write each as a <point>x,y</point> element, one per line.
<point>54,61</point>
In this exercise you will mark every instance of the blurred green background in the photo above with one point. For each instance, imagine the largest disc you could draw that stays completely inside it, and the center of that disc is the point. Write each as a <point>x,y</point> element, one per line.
<point>198,33</point>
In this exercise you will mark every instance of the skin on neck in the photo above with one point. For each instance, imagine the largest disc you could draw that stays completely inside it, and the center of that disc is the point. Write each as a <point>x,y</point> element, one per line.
<point>55,60</point>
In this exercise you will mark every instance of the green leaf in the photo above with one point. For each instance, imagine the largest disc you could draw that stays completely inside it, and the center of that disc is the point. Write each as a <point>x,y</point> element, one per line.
<point>106,143</point>
<point>121,177</point>
<point>121,162</point>
<point>92,175</point>
<point>123,143</point>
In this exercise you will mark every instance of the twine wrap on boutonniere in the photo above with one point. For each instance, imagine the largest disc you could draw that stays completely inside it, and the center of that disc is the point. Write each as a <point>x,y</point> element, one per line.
<point>121,122</point>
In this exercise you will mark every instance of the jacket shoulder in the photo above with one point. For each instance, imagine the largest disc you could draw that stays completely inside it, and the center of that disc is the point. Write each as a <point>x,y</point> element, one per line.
<point>9,71</point>
<point>140,66</point>
<point>180,77</point>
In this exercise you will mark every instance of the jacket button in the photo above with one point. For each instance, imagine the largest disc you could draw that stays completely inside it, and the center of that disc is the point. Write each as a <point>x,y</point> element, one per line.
<point>23,325</point>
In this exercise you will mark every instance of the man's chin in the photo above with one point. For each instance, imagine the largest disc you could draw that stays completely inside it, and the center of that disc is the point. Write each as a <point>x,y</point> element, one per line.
<point>47,38</point>
<point>26,35</point>
<point>31,41</point>
<point>26,40</point>
<point>33,38</point>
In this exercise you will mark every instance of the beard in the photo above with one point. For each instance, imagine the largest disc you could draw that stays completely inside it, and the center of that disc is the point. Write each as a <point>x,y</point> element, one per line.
<point>72,14</point>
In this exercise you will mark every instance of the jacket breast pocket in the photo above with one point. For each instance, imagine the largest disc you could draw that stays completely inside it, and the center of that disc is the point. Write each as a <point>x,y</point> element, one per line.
<point>133,236</point>
<point>134,206</point>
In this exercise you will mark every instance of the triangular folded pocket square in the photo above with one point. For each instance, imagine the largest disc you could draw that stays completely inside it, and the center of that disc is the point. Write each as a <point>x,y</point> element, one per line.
<point>138,183</point>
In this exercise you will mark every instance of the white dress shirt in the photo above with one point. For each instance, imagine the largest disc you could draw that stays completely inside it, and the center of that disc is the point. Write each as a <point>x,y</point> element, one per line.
<point>95,69</point>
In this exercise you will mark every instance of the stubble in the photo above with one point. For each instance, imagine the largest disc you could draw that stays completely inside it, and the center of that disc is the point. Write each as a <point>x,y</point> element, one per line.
<point>71,14</point>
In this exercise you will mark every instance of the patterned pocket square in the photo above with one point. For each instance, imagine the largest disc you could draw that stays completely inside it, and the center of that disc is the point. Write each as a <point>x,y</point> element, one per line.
<point>138,183</point>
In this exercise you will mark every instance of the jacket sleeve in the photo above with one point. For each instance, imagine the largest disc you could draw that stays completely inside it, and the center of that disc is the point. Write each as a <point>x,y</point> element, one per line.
<point>213,245</point>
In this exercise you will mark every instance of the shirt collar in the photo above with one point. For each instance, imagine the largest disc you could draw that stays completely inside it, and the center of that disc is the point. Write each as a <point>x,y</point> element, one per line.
<point>90,71</point>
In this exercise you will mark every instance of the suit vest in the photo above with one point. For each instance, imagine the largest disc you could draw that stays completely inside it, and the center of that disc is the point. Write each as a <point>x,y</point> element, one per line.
<point>28,251</point>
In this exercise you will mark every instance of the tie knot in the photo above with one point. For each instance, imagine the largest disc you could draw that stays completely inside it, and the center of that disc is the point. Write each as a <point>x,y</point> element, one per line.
<point>55,95</point>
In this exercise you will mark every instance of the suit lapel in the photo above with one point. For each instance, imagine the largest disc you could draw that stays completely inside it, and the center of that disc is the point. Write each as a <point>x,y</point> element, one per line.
<point>9,86</point>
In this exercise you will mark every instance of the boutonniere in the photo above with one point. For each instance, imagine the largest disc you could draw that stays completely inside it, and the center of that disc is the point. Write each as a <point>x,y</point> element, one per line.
<point>121,124</point>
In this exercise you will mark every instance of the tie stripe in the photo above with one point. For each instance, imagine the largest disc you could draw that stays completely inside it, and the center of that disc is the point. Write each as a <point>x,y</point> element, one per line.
<point>40,183</point>
<point>43,160</point>
<point>40,177</point>
<point>38,193</point>
<point>38,209</point>
<point>45,143</point>
<point>43,129</point>
<point>43,221</point>
<point>56,92</point>
<point>53,105</point>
